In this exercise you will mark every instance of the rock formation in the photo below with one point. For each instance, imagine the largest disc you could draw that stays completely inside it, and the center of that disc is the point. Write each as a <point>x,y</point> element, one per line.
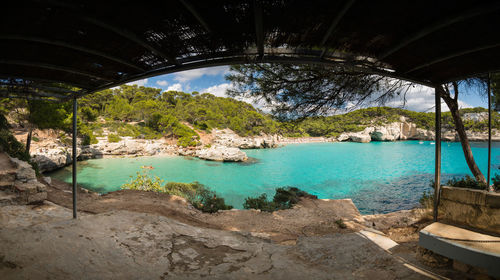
<point>391,132</point>
<point>228,138</point>
<point>221,153</point>
<point>18,182</point>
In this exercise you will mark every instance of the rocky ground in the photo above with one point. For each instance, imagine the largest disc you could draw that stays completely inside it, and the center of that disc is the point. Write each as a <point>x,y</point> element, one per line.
<point>161,237</point>
<point>145,235</point>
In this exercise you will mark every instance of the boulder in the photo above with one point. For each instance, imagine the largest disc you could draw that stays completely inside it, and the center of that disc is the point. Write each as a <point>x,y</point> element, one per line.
<point>49,159</point>
<point>24,171</point>
<point>221,153</point>
<point>360,138</point>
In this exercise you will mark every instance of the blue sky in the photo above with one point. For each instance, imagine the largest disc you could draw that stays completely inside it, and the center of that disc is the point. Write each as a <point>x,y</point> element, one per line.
<point>212,80</point>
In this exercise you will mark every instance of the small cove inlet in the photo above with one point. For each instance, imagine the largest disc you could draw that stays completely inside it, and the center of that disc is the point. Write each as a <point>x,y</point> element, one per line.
<point>380,177</point>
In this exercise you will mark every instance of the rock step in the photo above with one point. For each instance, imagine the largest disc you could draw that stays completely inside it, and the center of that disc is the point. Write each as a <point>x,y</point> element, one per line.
<point>7,199</point>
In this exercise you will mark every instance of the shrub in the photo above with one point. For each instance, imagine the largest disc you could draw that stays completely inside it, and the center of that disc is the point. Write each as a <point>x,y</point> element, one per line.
<point>261,203</point>
<point>144,182</point>
<point>496,182</point>
<point>284,198</point>
<point>427,200</point>
<point>113,138</point>
<point>467,182</point>
<point>10,145</point>
<point>341,223</point>
<point>197,194</point>
<point>207,201</point>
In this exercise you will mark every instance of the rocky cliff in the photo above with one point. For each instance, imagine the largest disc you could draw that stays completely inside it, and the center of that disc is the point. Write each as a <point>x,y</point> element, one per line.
<point>225,145</point>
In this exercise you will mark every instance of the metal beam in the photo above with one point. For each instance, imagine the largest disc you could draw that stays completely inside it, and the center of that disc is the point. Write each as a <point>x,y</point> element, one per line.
<point>10,96</point>
<point>71,46</point>
<point>195,14</point>
<point>42,80</point>
<point>440,25</point>
<point>489,133</point>
<point>232,59</point>
<point>132,37</point>
<point>259,26</point>
<point>75,105</point>
<point>437,160</point>
<point>52,67</point>
<point>334,24</point>
<point>37,86</point>
<point>34,93</point>
<point>451,56</point>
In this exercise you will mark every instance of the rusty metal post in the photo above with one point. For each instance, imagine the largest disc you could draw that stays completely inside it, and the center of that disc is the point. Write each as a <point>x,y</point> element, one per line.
<point>489,133</point>
<point>74,156</point>
<point>437,170</point>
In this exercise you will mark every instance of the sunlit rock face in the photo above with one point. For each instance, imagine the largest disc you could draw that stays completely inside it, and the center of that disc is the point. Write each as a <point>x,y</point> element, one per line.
<point>222,153</point>
<point>227,137</point>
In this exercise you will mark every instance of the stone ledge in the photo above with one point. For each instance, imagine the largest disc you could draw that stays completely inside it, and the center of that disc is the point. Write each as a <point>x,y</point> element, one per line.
<point>471,196</point>
<point>477,209</point>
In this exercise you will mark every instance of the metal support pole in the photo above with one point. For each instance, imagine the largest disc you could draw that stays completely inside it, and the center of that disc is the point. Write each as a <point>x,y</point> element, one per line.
<point>74,156</point>
<point>437,170</point>
<point>489,133</point>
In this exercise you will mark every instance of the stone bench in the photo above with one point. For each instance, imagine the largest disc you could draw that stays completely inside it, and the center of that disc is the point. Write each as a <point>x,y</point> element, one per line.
<point>469,247</point>
<point>466,214</point>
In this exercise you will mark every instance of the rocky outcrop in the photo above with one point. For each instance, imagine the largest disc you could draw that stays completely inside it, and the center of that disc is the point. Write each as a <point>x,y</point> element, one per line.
<point>476,117</point>
<point>51,158</point>
<point>402,130</point>
<point>19,182</point>
<point>360,137</point>
<point>227,137</point>
<point>127,146</point>
<point>221,153</point>
<point>56,156</point>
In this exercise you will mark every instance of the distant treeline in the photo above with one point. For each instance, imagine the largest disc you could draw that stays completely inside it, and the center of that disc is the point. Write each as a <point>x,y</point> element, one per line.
<point>145,112</point>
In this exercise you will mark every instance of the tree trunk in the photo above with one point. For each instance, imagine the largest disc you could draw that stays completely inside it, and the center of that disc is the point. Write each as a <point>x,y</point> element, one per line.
<point>28,139</point>
<point>460,129</point>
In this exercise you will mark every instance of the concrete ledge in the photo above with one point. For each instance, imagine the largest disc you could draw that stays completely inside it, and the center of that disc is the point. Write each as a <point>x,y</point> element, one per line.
<point>438,238</point>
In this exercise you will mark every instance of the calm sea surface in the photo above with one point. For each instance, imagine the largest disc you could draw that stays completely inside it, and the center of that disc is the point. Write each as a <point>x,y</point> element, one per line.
<point>380,177</point>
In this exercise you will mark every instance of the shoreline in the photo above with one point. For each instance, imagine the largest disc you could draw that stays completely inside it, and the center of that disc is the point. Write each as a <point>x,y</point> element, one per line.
<point>279,145</point>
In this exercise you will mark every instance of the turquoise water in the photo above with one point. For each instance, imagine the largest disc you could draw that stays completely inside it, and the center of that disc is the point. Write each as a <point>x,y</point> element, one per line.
<point>380,177</point>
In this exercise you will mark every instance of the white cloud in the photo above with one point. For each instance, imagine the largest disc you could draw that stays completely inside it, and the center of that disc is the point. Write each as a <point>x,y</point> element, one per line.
<point>142,82</point>
<point>162,83</point>
<point>421,99</point>
<point>218,90</point>
<point>190,75</point>
<point>175,87</point>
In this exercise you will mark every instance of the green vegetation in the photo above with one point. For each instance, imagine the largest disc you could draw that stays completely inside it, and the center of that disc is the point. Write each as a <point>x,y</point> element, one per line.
<point>333,126</point>
<point>113,138</point>
<point>170,114</point>
<point>148,113</point>
<point>341,223</point>
<point>9,144</point>
<point>197,194</point>
<point>466,182</point>
<point>427,199</point>
<point>284,198</point>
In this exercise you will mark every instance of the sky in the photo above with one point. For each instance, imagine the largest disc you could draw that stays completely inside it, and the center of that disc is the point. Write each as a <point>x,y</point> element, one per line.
<point>211,80</point>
